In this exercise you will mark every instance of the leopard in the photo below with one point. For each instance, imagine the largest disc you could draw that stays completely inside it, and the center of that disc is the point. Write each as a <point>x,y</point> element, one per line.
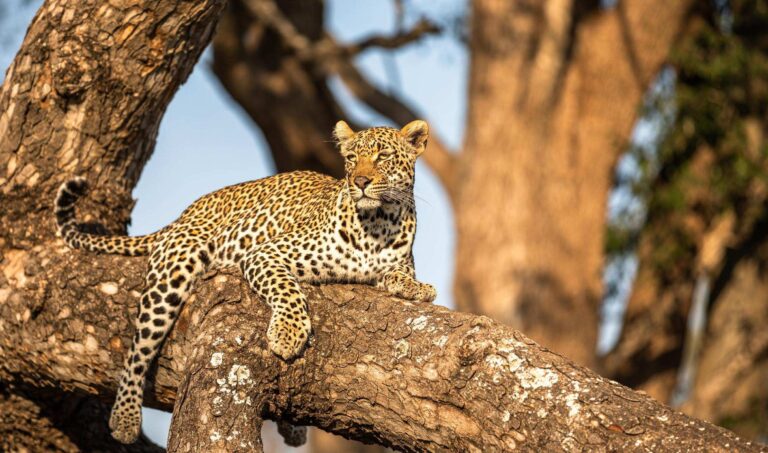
<point>280,231</point>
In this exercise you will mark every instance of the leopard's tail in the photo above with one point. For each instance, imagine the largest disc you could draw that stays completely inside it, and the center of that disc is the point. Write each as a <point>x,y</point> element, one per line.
<point>64,208</point>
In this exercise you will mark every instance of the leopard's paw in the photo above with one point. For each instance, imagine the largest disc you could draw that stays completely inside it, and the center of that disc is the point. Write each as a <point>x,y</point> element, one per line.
<point>125,422</point>
<point>427,293</point>
<point>287,334</point>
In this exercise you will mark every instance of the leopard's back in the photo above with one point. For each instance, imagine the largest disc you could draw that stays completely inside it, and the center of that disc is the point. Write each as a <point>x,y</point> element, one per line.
<point>296,194</point>
<point>282,201</point>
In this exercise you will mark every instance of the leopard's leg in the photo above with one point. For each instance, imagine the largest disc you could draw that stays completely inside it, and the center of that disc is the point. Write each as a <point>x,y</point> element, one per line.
<point>173,267</point>
<point>269,275</point>
<point>401,281</point>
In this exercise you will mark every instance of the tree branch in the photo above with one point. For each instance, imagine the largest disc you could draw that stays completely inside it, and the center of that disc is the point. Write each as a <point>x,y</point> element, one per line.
<point>422,28</point>
<point>324,49</point>
<point>378,369</point>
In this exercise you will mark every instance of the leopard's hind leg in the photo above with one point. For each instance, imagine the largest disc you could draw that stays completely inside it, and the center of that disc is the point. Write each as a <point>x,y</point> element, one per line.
<point>173,266</point>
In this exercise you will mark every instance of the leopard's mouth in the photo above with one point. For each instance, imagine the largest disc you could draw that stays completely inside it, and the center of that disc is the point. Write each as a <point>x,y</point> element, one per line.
<point>364,201</point>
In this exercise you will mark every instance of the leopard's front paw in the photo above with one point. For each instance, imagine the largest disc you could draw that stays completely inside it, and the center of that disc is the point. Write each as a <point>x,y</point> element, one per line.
<point>411,289</point>
<point>427,293</point>
<point>288,333</point>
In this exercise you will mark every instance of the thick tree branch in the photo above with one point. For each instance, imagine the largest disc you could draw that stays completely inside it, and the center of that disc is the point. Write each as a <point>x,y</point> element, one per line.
<point>378,369</point>
<point>85,95</point>
<point>554,92</point>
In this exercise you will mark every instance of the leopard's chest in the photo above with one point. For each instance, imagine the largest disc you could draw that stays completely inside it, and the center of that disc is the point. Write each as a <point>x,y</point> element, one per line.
<point>363,255</point>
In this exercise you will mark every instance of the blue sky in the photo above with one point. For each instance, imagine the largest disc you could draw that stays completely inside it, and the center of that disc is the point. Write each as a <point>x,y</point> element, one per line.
<point>206,142</point>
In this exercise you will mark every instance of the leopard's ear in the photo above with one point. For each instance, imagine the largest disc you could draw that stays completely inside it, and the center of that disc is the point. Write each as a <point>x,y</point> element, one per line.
<point>342,131</point>
<point>416,134</point>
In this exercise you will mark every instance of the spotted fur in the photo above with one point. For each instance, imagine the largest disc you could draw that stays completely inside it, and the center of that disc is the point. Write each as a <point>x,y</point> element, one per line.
<point>281,230</point>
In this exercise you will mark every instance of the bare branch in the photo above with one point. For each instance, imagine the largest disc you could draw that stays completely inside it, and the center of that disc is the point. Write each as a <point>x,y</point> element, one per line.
<point>422,28</point>
<point>308,51</point>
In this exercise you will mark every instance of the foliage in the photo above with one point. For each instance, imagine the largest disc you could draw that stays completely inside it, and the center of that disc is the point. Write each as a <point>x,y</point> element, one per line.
<point>713,158</point>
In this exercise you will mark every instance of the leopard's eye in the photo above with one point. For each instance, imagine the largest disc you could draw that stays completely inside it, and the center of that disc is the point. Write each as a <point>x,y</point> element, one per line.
<point>385,155</point>
<point>351,158</point>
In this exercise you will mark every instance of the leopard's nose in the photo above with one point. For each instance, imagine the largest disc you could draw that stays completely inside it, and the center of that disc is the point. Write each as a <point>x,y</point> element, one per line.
<point>362,181</point>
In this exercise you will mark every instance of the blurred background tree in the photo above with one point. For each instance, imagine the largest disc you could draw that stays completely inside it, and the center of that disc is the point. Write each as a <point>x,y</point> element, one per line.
<point>704,240</point>
<point>600,137</point>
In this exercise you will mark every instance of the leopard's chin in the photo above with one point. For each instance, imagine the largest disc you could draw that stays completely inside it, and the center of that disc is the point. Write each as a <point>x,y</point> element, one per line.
<point>368,203</point>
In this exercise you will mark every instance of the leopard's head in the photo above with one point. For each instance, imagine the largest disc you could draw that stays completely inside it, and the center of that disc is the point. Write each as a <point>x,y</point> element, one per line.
<point>380,162</point>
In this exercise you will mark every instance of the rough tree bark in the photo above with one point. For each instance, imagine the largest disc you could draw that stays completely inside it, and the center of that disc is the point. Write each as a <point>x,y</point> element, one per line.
<point>85,95</point>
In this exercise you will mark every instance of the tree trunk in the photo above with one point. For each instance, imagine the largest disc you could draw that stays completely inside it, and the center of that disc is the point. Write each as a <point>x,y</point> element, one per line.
<point>554,91</point>
<point>84,95</point>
